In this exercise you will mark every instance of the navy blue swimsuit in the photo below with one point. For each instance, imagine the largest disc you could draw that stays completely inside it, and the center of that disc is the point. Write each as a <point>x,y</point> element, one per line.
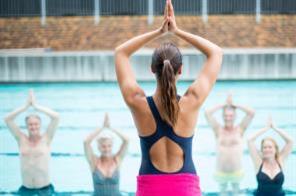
<point>268,186</point>
<point>163,129</point>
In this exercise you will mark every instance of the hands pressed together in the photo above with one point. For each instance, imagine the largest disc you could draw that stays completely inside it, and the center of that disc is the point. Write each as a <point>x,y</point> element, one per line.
<point>31,101</point>
<point>169,21</point>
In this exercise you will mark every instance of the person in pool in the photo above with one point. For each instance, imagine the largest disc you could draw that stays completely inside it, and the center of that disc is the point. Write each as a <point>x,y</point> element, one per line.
<point>166,121</point>
<point>34,148</point>
<point>269,161</point>
<point>229,146</point>
<point>105,168</point>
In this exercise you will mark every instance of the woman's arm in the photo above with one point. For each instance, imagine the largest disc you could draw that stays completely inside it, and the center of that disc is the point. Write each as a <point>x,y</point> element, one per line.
<point>54,118</point>
<point>287,149</point>
<point>202,85</point>
<point>254,152</point>
<point>124,146</point>
<point>125,75</point>
<point>88,151</point>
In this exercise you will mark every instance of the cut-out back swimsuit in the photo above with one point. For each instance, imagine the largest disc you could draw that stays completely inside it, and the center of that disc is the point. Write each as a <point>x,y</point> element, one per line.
<point>152,181</point>
<point>163,129</point>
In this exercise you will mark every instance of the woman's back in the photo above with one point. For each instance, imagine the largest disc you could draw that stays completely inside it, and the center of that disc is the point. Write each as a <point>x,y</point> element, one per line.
<point>164,150</point>
<point>145,122</point>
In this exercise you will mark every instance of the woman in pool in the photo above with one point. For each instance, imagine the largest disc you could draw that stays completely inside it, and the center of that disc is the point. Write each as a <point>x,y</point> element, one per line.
<point>34,148</point>
<point>105,168</point>
<point>269,161</point>
<point>165,121</point>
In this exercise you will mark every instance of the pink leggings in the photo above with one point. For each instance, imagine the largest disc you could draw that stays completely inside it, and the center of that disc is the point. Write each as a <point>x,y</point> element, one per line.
<point>183,184</point>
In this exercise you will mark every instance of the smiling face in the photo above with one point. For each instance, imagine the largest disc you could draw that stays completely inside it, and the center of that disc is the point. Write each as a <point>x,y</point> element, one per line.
<point>269,149</point>
<point>229,115</point>
<point>33,123</point>
<point>105,146</point>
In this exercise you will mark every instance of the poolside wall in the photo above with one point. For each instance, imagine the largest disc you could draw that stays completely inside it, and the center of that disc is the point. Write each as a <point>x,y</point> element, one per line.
<point>238,64</point>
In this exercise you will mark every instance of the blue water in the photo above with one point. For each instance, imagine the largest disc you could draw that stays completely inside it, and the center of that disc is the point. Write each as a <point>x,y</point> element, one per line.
<point>82,107</point>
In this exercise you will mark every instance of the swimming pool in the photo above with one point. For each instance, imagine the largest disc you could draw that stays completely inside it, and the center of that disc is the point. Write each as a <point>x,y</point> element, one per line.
<point>82,107</point>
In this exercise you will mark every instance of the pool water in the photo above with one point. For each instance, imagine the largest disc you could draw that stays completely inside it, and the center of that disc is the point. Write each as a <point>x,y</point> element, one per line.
<point>82,107</point>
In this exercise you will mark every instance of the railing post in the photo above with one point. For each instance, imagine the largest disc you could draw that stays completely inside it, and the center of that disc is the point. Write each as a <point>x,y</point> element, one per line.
<point>43,12</point>
<point>150,12</point>
<point>258,11</point>
<point>6,68</point>
<point>97,12</point>
<point>204,10</point>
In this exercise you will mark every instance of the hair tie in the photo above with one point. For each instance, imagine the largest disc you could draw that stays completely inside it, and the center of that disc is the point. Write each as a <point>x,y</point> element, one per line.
<point>166,62</point>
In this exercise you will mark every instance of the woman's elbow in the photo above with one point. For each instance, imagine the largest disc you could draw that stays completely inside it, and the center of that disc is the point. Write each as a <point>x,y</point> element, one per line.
<point>126,140</point>
<point>216,55</point>
<point>86,142</point>
<point>120,55</point>
<point>217,51</point>
<point>118,51</point>
<point>252,113</point>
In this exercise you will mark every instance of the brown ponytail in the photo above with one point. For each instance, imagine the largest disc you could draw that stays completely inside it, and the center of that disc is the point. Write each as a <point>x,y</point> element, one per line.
<point>169,93</point>
<point>166,62</point>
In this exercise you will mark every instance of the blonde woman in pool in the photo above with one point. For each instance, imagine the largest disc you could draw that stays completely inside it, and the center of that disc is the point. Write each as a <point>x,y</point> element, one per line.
<point>105,168</point>
<point>34,148</point>
<point>269,161</point>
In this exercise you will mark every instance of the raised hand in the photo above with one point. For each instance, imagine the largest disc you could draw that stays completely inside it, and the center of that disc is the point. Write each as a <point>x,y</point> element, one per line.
<point>165,22</point>
<point>269,122</point>
<point>106,121</point>
<point>30,98</point>
<point>33,98</point>
<point>229,100</point>
<point>172,26</point>
<point>272,125</point>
